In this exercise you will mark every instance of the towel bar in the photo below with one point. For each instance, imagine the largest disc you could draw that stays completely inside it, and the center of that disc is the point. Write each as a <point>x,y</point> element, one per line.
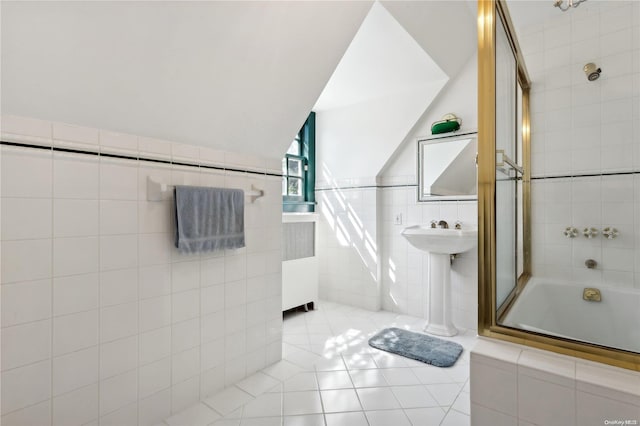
<point>158,191</point>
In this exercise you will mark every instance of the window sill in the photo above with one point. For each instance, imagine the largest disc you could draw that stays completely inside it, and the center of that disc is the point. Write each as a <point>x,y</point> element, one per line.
<point>298,206</point>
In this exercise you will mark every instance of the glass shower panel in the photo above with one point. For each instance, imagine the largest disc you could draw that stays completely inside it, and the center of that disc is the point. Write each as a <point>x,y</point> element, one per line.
<point>506,176</point>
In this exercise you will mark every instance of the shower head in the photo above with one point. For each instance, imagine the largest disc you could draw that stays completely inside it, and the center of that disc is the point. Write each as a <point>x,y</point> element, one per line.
<point>592,71</point>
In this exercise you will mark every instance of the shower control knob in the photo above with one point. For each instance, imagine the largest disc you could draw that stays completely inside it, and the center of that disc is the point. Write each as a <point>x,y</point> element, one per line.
<point>590,232</point>
<point>570,232</point>
<point>610,233</point>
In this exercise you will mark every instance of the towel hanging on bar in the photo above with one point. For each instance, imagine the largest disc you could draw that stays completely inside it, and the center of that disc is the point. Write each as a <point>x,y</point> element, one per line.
<point>208,219</point>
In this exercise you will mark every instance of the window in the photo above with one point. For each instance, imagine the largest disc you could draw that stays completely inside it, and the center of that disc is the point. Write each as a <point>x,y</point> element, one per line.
<point>298,170</point>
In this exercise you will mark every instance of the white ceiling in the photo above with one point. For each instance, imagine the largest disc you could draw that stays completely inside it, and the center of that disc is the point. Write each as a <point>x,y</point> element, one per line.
<point>383,59</point>
<point>239,76</point>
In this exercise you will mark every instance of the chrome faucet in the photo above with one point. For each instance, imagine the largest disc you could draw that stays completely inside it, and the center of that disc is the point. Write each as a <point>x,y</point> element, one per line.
<point>443,224</point>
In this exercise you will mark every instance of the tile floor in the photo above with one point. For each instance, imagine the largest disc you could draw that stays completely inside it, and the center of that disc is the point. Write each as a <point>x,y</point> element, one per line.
<point>329,376</point>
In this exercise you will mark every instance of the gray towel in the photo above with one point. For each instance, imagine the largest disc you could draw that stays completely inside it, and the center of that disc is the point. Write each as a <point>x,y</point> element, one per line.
<point>208,219</point>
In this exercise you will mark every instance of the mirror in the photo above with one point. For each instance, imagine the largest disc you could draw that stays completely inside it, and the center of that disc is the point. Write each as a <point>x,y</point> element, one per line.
<point>447,167</point>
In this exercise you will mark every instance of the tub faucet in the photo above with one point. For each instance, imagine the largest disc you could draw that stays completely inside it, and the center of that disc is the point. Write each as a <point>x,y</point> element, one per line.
<point>592,295</point>
<point>443,224</point>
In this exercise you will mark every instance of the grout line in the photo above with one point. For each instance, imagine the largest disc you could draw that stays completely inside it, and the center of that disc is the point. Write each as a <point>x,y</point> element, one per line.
<point>99,295</point>
<point>51,280</point>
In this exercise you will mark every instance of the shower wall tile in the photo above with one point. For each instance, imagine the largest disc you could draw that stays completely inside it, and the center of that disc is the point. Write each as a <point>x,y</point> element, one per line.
<point>98,306</point>
<point>602,135</point>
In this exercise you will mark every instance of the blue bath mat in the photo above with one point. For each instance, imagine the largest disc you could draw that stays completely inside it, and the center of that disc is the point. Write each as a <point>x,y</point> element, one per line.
<point>420,347</point>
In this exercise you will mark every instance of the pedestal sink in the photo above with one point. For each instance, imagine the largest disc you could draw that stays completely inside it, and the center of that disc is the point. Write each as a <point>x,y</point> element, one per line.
<point>441,244</point>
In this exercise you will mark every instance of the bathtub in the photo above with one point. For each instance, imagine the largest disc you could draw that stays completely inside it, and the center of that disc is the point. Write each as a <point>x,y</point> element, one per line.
<point>557,309</point>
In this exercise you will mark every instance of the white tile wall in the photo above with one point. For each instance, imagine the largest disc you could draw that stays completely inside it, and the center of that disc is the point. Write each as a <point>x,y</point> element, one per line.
<point>102,320</point>
<point>513,384</point>
<point>348,248</point>
<point>405,268</point>
<point>357,237</point>
<point>581,127</point>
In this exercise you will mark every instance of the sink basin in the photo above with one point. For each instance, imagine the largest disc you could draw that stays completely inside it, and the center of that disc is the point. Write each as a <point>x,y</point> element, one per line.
<point>443,241</point>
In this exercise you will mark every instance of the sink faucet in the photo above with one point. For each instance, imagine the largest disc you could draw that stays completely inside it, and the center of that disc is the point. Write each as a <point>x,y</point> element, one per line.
<point>443,224</point>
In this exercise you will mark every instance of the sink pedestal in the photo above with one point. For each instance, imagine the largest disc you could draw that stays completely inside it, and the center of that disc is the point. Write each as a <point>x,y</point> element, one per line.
<point>441,243</point>
<point>439,306</point>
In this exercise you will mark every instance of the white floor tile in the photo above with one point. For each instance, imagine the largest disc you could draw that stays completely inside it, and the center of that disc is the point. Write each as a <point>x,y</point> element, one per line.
<point>425,416</point>
<point>235,414</point>
<point>359,361</point>
<point>367,378</point>
<point>415,396</point>
<point>455,418</point>
<point>282,370</point>
<point>262,421</point>
<point>198,415</point>
<point>462,403</point>
<point>334,380</point>
<point>388,360</point>
<point>347,419</point>
<point>258,384</point>
<point>303,358</point>
<point>307,402</point>
<point>334,364</point>
<point>394,390</point>
<point>265,405</point>
<point>432,375</point>
<point>301,382</point>
<point>228,400</point>
<point>377,399</point>
<point>400,376</point>
<point>336,401</point>
<point>387,418</point>
<point>445,394</point>
<point>308,420</point>
<point>226,422</point>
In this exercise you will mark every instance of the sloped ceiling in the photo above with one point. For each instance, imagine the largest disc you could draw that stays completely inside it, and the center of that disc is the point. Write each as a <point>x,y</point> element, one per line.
<point>380,88</point>
<point>239,76</point>
<point>382,59</point>
<point>400,59</point>
<point>444,29</point>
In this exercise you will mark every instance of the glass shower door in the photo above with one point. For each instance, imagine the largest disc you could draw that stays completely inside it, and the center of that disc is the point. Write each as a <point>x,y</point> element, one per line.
<point>506,174</point>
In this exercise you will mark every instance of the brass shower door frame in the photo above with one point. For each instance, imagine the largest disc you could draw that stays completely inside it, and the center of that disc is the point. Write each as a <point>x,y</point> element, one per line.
<point>489,11</point>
